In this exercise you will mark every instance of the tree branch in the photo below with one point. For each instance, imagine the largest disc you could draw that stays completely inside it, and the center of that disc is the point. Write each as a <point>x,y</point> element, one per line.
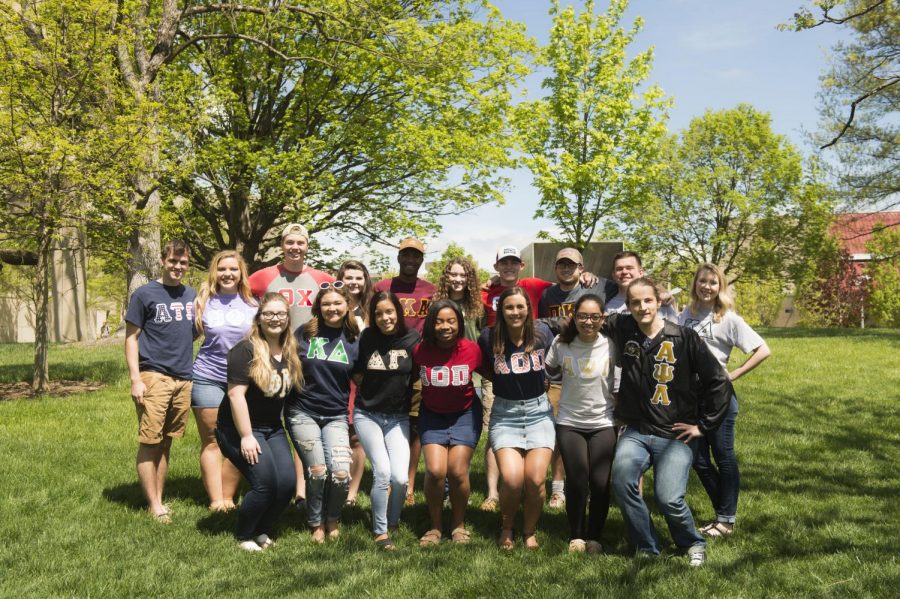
<point>853,106</point>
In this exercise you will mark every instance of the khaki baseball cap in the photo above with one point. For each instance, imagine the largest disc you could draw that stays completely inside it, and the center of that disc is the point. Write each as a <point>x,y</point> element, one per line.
<point>569,254</point>
<point>411,242</point>
<point>295,229</point>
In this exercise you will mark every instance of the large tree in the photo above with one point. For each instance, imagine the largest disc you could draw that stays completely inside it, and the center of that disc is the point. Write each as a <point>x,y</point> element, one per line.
<point>860,98</point>
<point>397,122</point>
<point>590,142</point>
<point>732,192</point>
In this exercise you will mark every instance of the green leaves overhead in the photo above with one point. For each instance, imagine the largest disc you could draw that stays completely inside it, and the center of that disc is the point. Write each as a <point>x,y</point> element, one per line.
<point>591,141</point>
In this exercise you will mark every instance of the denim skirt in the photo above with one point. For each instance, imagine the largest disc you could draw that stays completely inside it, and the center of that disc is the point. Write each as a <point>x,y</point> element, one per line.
<point>521,424</point>
<point>458,428</point>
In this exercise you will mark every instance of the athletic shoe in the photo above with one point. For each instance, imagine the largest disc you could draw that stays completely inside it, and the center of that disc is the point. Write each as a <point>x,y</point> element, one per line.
<point>557,501</point>
<point>696,556</point>
<point>249,546</point>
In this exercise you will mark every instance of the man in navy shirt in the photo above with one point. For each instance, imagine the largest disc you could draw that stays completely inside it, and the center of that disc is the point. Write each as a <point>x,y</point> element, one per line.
<point>159,335</point>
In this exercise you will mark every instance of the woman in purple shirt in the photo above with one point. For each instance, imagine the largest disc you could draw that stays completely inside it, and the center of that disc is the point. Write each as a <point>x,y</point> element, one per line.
<point>224,312</point>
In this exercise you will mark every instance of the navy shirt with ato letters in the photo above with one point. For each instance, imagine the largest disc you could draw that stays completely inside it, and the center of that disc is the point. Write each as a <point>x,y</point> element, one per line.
<point>165,315</point>
<point>517,376</point>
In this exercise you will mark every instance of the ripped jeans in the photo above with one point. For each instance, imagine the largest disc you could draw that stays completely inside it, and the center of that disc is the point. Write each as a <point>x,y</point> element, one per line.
<point>323,444</point>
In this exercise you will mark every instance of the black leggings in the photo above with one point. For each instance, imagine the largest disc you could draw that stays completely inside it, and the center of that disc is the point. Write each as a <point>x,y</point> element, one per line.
<point>587,456</point>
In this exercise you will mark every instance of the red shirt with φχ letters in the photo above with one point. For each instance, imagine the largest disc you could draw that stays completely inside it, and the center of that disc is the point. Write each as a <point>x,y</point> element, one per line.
<point>446,375</point>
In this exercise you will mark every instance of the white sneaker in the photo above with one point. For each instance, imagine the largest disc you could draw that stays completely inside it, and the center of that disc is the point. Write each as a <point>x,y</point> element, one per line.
<point>557,501</point>
<point>263,541</point>
<point>249,546</point>
<point>696,556</point>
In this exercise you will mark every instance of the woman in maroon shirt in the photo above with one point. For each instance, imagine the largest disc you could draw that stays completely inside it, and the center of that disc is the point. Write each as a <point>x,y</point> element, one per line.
<point>450,416</point>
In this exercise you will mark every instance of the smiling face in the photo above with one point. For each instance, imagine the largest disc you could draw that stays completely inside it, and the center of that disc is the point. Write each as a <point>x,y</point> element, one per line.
<point>509,268</point>
<point>567,273</point>
<point>274,318</point>
<point>515,311</point>
<point>707,287</point>
<point>386,317</point>
<point>294,247</point>
<point>354,281</point>
<point>446,327</point>
<point>173,268</point>
<point>333,308</point>
<point>228,275</point>
<point>457,280</point>
<point>410,260</point>
<point>625,270</point>
<point>643,304</point>
<point>588,320</point>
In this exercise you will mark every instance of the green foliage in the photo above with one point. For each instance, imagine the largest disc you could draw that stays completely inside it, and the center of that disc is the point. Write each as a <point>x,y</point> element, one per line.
<point>730,191</point>
<point>884,272</point>
<point>454,250</point>
<point>369,123</point>
<point>818,513</point>
<point>859,97</point>
<point>590,143</point>
<point>758,301</point>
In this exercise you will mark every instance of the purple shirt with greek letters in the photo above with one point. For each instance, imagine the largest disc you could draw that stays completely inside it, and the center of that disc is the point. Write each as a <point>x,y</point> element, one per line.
<point>226,319</point>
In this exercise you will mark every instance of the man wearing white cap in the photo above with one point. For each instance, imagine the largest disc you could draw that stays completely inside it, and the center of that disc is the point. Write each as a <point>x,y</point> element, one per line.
<point>293,279</point>
<point>299,284</point>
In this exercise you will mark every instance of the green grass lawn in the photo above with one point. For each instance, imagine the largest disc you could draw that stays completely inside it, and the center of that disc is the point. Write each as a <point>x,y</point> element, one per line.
<point>817,436</point>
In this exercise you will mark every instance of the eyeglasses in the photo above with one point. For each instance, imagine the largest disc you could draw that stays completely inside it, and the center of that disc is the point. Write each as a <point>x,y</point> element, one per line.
<point>327,285</point>
<point>273,315</point>
<point>582,317</point>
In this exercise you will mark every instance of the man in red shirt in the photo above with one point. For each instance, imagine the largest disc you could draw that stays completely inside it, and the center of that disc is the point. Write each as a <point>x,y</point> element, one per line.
<point>415,295</point>
<point>292,278</point>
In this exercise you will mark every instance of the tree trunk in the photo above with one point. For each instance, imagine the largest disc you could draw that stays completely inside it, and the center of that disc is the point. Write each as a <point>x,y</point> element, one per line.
<point>40,374</point>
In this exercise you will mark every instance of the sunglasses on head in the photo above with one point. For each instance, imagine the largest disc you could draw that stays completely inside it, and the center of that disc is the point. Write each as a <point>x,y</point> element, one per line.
<point>335,285</point>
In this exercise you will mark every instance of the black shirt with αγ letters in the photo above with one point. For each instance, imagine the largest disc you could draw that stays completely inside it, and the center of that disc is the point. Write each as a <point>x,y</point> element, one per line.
<point>386,364</point>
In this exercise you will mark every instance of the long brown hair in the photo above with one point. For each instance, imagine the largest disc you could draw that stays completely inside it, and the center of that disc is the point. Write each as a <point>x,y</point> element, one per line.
<point>261,371</point>
<point>500,332</point>
<point>311,328</point>
<point>210,286</point>
<point>471,303</point>
<point>723,302</point>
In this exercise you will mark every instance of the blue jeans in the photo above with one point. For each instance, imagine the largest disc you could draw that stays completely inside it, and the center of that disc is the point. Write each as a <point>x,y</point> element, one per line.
<point>722,484</point>
<point>322,441</point>
<point>385,437</point>
<point>272,479</point>
<point>671,460</point>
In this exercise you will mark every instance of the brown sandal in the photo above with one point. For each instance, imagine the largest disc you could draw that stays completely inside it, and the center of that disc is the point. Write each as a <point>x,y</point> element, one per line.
<point>460,536</point>
<point>717,529</point>
<point>489,505</point>
<point>430,538</point>
<point>506,541</point>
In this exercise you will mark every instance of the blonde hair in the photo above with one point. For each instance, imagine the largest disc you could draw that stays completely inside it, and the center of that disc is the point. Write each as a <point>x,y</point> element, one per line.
<point>723,302</point>
<point>261,371</point>
<point>210,286</point>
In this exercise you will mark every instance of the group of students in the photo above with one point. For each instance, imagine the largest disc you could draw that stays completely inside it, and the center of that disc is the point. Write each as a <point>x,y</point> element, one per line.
<point>586,368</point>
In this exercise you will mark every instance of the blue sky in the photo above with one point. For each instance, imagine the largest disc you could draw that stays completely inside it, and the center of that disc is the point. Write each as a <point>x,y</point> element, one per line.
<point>709,54</point>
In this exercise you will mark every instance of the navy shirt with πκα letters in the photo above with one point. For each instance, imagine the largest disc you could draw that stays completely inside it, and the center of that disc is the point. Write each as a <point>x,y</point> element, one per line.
<point>386,363</point>
<point>517,376</point>
<point>165,315</point>
<point>327,360</point>
<point>263,405</point>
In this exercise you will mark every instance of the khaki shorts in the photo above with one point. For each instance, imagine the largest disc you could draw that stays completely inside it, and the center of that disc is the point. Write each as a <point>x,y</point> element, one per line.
<point>553,395</point>
<point>416,399</point>
<point>487,402</point>
<point>167,401</point>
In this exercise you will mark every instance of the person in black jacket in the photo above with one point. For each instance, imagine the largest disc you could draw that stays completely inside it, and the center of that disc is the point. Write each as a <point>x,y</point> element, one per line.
<point>672,392</point>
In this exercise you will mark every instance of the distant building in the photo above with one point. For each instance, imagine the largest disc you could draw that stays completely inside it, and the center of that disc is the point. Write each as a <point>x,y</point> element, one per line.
<point>854,229</point>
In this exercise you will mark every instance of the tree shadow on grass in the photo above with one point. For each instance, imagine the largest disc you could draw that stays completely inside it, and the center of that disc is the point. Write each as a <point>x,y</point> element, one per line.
<point>803,333</point>
<point>105,371</point>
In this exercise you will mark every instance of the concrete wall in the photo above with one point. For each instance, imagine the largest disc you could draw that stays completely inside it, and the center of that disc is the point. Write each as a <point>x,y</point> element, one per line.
<point>540,258</point>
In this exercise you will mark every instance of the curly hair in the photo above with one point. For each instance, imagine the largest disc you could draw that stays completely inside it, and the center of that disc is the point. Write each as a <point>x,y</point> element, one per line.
<point>471,302</point>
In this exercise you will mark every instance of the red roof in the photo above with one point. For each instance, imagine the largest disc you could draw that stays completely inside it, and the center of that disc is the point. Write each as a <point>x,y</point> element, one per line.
<point>854,229</point>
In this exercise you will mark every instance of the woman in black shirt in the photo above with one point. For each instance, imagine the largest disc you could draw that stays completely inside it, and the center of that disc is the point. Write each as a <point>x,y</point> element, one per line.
<point>383,374</point>
<point>262,369</point>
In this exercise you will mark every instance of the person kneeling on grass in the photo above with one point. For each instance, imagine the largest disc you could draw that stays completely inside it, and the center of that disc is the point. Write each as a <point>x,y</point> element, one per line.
<point>263,369</point>
<point>672,392</point>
